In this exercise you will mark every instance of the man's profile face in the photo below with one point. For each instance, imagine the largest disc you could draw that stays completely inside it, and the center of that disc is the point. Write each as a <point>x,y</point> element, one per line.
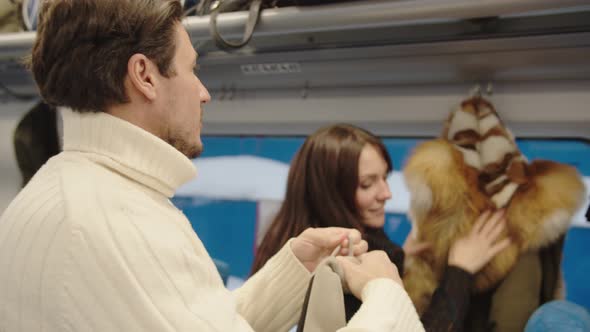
<point>183,96</point>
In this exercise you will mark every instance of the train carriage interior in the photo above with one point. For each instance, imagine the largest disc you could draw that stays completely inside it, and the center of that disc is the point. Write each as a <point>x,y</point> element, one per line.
<point>396,68</point>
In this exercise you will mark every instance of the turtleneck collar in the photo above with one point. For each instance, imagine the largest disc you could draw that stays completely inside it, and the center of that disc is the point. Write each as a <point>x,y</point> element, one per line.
<point>128,149</point>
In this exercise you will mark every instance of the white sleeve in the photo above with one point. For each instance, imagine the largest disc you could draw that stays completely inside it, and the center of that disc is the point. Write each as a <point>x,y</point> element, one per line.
<point>386,308</point>
<point>132,281</point>
<point>271,300</point>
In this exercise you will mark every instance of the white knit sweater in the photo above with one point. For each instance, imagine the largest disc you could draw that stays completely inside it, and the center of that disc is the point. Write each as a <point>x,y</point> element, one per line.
<point>93,243</point>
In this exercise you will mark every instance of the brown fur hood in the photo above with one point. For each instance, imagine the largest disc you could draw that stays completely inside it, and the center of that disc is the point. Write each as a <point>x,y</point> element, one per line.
<point>473,167</point>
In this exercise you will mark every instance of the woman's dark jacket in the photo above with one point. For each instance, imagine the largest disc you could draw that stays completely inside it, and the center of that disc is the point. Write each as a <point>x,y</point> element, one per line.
<point>450,301</point>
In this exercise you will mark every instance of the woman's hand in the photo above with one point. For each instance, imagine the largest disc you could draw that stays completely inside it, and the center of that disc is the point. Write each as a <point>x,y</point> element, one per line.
<point>473,252</point>
<point>315,244</point>
<point>412,247</point>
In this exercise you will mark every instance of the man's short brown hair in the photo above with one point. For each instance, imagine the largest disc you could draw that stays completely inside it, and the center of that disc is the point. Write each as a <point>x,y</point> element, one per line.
<point>80,56</point>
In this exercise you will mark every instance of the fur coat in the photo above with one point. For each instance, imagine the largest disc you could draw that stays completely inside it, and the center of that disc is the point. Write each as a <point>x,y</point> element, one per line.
<point>476,166</point>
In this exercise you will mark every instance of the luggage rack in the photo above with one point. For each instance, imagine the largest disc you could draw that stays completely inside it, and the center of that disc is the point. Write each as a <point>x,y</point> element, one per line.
<point>377,43</point>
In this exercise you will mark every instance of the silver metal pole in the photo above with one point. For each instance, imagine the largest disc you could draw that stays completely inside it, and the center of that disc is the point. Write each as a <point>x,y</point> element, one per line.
<point>369,14</point>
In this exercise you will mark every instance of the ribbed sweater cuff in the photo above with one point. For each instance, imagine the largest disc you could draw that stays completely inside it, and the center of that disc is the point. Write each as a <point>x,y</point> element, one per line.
<point>386,305</point>
<point>288,272</point>
<point>281,286</point>
<point>284,266</point>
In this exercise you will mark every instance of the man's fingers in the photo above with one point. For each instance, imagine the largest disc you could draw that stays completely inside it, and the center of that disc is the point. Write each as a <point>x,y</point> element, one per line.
<point>360,248</point>
<point>347,264</point>
<point>379,255</point>
<point>355,236</point>
<point>328,238</point>
<point>357,249</point>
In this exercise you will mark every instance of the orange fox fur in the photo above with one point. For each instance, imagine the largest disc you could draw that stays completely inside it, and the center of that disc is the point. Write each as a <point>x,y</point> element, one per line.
<point>446,201</point>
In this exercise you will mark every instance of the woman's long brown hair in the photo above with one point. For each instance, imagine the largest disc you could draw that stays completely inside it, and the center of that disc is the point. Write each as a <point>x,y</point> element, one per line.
<point>321,187</point>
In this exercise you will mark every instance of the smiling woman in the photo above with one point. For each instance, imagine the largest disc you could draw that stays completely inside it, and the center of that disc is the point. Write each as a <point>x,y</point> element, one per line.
<point>339,178</point>
<point>373,190</point>
<point>324,188</point>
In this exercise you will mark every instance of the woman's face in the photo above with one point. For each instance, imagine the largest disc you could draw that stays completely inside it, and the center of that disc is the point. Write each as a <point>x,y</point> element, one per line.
<point>372,190</point>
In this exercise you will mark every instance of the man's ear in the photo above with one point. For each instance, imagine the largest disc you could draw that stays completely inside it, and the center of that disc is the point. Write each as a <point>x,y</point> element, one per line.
<point>142,74</point>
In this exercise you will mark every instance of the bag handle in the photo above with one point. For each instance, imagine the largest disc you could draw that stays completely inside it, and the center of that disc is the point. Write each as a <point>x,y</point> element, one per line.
<point>323,307</point>
<point>230,5</point>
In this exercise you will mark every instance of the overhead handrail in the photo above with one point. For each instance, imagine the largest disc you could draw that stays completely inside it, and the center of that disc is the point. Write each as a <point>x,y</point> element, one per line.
<point>349,15</point>
<point>370,14</point>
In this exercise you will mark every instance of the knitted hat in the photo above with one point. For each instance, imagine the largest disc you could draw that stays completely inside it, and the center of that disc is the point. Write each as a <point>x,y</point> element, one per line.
<point>476,130</point>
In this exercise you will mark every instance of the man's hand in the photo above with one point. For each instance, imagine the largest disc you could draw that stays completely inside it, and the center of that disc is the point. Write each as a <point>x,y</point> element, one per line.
<point>315,244</point>
<point>372,265</point>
